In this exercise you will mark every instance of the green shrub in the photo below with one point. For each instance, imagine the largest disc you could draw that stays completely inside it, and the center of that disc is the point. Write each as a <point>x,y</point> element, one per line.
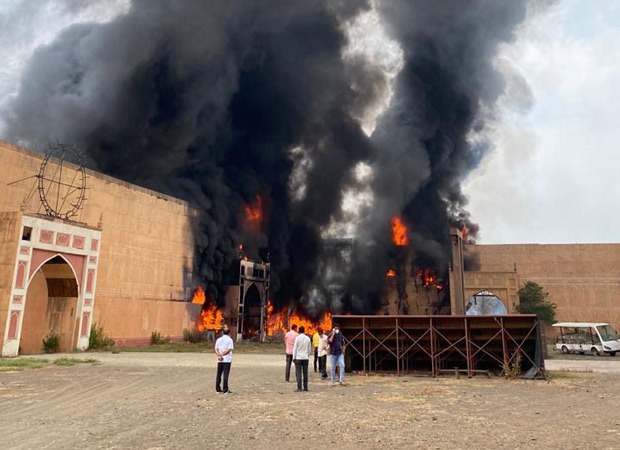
<point>51,343</point>
<point>193,336</point>
<point>157,338</point>
<point>512,369</point>
<point>533,300</point>
<point>98,340</point>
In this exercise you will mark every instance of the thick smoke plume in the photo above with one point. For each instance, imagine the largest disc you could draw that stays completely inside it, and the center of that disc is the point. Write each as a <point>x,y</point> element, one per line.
<point>231,104</point>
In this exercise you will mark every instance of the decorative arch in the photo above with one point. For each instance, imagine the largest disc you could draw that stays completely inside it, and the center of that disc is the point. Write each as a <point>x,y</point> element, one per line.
<point>78,247</point>
<point>41,257</point>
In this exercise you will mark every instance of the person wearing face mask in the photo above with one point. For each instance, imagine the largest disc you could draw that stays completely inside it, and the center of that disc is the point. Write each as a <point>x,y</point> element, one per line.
<point>223,349</point>
<point>336,353</point>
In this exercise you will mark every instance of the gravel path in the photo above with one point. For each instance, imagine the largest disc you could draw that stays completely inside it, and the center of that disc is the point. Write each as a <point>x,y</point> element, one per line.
<point>167,401</point>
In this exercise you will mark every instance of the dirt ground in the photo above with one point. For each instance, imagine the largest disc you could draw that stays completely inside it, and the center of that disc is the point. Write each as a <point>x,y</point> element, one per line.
<point>167,401</point>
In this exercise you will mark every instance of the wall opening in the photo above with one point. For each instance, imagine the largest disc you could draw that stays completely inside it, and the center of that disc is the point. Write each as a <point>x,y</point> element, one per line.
<point>51,307</point>
<point>252,314</point>
<point>485,303</point>
<point>26,233</point>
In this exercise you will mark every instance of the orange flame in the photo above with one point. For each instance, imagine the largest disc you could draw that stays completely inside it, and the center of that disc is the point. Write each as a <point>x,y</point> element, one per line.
<point>399,231</point>
<point>241,253</point>
<point>254,213</point>
<point>390,273</point>
<point>280,322</point>
<point>199,296</point>
<point>464,232</point>
<point>427,276</point>
<point>211,318</point>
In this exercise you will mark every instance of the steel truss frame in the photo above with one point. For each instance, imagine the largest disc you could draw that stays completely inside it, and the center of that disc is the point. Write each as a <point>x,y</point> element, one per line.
<point>434,345</point>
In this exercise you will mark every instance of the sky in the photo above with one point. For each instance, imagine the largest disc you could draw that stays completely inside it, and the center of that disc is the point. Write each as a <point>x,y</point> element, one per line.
<point>551,175</point>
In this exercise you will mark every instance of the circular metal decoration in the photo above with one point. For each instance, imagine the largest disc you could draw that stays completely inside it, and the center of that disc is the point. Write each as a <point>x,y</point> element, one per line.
<point>62,181</point>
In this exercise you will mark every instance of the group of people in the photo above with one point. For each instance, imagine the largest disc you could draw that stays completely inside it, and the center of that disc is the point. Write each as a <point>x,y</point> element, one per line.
<point>299,349</point>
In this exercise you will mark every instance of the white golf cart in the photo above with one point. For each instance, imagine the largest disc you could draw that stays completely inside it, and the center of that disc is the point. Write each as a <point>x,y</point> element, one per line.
<point>581,337</point>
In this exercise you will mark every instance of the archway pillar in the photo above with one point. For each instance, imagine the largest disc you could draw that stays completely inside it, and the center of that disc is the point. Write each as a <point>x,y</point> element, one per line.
<point>253,274</point>
<point>39,239</point>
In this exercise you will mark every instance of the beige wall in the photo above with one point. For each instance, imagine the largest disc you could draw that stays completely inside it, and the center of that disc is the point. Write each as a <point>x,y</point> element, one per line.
<point>504,285</point>
<point>9,231</point>
<point>132,322</point>
<point>146,252</point>
<point>583,280</point>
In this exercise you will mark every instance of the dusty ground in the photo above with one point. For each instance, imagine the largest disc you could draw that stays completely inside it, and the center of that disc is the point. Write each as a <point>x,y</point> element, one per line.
<point>167,401</point>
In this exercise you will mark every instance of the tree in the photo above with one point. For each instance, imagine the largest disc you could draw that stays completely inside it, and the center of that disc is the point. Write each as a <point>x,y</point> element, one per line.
<point>533,300</point>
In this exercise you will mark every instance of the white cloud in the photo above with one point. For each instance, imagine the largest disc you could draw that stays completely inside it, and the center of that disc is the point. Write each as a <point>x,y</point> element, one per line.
<point>553,174</point>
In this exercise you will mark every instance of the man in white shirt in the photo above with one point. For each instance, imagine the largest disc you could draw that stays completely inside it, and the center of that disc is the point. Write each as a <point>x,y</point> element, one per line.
<point>302,349</point>
<point>223,349</point>
<point>323,349</point>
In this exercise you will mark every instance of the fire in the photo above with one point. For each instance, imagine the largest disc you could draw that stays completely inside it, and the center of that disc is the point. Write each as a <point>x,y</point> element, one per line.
<point>464,232</point>
<point>254,213</point>
<point>390,273</point>
<point>399,231</point>
<point>211,318</point>
<point>427,276</point>
<point>199,296</point>
<point>281,321</point>
<point>241,253</point>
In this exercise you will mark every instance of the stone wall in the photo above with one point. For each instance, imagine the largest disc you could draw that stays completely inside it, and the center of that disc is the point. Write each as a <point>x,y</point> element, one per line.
<point>583,280</point>
<point>146,253</point>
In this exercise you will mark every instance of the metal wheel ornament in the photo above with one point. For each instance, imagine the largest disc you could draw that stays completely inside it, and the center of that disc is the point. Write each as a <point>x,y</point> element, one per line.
<point>62,181</point>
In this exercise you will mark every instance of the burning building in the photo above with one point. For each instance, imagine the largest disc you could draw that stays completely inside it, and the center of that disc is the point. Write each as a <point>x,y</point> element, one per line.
<point>251,124</point>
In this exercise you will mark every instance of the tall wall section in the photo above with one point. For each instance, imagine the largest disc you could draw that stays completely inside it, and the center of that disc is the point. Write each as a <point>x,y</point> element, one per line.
<point>146,253</point>
<point>9,230</point>
<point>583,280</point>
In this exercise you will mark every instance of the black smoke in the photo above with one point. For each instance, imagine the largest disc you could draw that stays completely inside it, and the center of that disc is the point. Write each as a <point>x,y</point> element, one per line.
<point>207,100</point>
<point>445,92</point>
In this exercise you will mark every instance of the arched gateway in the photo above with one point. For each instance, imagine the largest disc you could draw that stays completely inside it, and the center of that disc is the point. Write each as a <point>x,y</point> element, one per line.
<point>53,285</point>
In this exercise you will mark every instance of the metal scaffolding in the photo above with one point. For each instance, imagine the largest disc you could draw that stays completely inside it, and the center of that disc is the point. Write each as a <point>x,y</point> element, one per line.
<point>508,344</point>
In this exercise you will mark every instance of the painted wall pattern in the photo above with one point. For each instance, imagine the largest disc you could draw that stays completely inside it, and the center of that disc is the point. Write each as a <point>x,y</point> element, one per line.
<point>79,246</point>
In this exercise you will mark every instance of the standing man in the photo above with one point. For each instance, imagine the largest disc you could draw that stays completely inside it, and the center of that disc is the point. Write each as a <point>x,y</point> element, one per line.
<point>315,345</point>
<point>289,342</point>
<point>323,348</point>
<point>336,351</point>
<point>302,349</point>
<point>223,349</point>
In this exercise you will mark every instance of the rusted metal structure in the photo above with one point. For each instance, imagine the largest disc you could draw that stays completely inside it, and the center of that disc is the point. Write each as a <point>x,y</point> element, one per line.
<point>444,344</point>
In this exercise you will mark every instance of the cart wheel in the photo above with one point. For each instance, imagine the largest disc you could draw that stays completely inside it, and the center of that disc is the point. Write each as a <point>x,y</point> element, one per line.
<point>565,350</point>
<point>595,351</point>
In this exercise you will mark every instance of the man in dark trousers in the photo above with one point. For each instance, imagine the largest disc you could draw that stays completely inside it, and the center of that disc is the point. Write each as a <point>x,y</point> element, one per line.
<point>223,349</point>
<point>302,349</point>
<point>289,341</point>
<point>336,352</point>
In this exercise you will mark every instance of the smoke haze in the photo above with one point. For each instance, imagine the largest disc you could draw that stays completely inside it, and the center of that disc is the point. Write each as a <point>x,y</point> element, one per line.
<point>237,104</point>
